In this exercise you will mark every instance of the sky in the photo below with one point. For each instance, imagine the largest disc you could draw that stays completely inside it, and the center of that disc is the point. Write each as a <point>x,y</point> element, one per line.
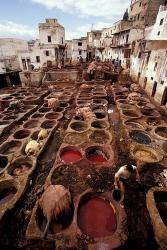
<point>20,18</point>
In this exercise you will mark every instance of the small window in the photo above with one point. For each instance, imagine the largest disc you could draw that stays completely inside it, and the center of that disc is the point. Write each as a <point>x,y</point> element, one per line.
<point>155,66</point>
<point>62,40</point>
<point>140,4</point>
<point>79,44</point>
<point>38,59</point>
<point>47,52</point>
<point>158,33</point>
<point>139,55</point>
<point>80,52</point>
<point>162,82</point>
<point>49,39</point>
<point>152,78</point>
<point>161,21</point>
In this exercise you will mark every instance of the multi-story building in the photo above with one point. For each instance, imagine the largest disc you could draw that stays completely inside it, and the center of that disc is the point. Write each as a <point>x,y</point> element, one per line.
<point>49,47</point>
<point>79,49</point>
<point>149,61</point>
<point>93,39</point>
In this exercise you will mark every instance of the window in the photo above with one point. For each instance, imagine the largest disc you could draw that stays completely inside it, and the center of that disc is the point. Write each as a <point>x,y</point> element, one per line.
<point>158,33</point>
<point>38,59</point>
<point>139,55</point>
<point>155,66</point>
<point>24,64</point>
<point>161,21</point>
<point>138,16</point>
<point>49,39</point>
<point>62,40</point>
<point>140,4</point>
<point>152,78</point>
<point>80,52</point>
<point>47,52</point>
<point>79,44</point>
<point>162,82</point>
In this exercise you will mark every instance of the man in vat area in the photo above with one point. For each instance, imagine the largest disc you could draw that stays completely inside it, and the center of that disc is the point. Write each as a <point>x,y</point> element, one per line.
<point>123,174</point>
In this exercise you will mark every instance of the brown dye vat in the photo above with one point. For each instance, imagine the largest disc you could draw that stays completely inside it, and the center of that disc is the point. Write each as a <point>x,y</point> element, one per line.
<point>122,101</point>
<point>57,225</point>
<point>100,101</point>
<point>44,110</point>
<point>153,121</point>
<point>21,134</point>
<point>126,106</point>
<point>10,147</point>
<point>100,115</point>
<point>129,113</point>
<point>140,137</point>
<point>7,98</point>
<point>34,135</point>
<point>79,126</point>
<point>31,124</point>
<point>48,124</point>
<point>37,115</point>
<point>63,105</point>
<point>161,131</point>
<point>99,136</point>
<point>161,203</point>
<point>133,125</point>
<point>53,115</point>
<point>99,124</point>
<point>3,162</point>
<point>79,117</point>
<point>12,117</point>
<point>96,217</point>
<point>59,110</point>
<point>97,154</point>
<point>76,138</point>
<point>6,194</point>
<point>150,113</point>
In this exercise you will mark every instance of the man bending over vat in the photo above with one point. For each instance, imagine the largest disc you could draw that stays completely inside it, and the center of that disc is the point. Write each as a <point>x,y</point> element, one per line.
<point>124,174</point>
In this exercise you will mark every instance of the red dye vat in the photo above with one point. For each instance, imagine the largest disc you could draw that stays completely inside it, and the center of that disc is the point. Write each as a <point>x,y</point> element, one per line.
<point>71,156</point>
<point>97,218</point>
<point>7,194</point>
<point>97,158</point>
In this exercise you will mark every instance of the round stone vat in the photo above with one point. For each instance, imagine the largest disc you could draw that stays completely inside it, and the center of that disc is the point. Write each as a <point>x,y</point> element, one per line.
<point>97,154</point>
<point>121,101</point>
<point>10,117</point>
<point>37,115</point>
<point>31,124</point>
<point>79,117</point>
<point>20,166</point>
<point>59,110</point>
<point>79,126</point>
<point>58,224</point>
<point>140,136</point>
<point>133,125</point>
<point>4,124</point>
<point>126,107</point>
<point>70,154</point>
<point>150,113</point>
<point>153,121</point>
<point>130,114</point>
<point>63,104</point>
<point>44,110</point>
<point>99,124</point>
<point>21,134</point>
<point>3,163</point>
<point>48,124</point>
<point>7,192</point>
<point>100,114</point>
<point>76,138</point>
<point>161,132</point>
<point>161,201</point>
<point>10,147</point>
<point>96,217</point>
<point>146,154</point>
<point>54,115</point>
<point>7,98</point>
<point>100,136</point>
<point>100,101</point>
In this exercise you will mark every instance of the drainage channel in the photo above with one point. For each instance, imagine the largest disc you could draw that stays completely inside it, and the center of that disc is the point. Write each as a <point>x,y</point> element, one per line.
<point>13,233</point>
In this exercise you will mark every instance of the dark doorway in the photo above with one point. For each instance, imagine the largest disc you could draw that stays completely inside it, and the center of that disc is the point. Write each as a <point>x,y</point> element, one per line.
<point>164,97</point>
<point>154,89</point>
<point>145,82</point>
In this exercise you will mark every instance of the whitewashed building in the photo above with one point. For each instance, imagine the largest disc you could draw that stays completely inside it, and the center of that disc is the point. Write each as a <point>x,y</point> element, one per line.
<point>49,47</point>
